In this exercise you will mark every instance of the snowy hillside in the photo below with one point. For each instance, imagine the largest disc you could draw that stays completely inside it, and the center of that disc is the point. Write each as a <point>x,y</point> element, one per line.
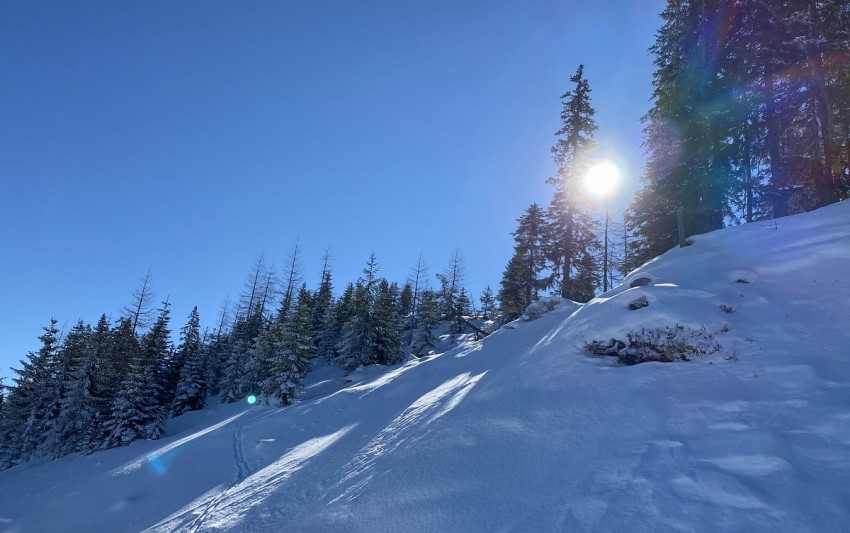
<point>526,431</point>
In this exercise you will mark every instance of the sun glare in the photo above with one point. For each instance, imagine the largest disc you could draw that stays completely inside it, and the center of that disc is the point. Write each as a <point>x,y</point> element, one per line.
<point>602,177</point>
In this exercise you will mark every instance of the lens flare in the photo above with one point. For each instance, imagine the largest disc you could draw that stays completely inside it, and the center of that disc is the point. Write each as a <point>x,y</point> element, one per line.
<point>252,399</point>
<point>602,177</point>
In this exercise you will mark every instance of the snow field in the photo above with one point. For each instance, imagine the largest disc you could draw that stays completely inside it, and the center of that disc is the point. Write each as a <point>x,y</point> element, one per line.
<point>525,431</point>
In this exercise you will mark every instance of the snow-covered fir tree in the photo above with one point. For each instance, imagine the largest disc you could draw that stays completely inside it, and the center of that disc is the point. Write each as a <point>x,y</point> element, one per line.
<point>191,393</point>
<point>427,319</point>
<point>294,351</point>
<point>26,404</point>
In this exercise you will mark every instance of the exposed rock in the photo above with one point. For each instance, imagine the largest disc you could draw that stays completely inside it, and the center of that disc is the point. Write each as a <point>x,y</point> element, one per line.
<point>637,303</point>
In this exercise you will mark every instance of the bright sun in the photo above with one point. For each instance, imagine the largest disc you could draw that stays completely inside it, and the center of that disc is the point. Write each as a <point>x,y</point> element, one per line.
<point>601,177</point>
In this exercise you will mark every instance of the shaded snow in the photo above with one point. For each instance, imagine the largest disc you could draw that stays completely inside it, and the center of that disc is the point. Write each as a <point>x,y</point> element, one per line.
<point>525,431</point>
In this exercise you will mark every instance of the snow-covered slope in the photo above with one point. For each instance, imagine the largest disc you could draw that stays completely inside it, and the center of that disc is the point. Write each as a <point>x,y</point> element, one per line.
<point>525,431</point>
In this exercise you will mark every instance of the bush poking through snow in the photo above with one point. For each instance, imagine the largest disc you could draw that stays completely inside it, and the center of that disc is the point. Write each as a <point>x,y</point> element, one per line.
<point>727,308</point>
<point>638,303</point>
<point>663,345</point>
<point>541,307</point>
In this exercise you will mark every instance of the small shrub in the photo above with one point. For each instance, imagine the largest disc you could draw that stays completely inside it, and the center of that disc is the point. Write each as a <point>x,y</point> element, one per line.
<point>727,308</point>
<point>663,345</point>
<point>638,303</point>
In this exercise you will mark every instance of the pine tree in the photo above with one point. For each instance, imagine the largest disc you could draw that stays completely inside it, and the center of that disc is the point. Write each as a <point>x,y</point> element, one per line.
<point>529,239</point>
<point>462,309</point>
<point>386,349</point>
<point>569,223</point>
<point>405,300</point>
<point>488,303</point>
<point>522,279</point>
<point>357,341</point>
<point>428,318</point>
<point>140,408</point>
<point>70,429</point>
<point>293,352</point>
<point>331,339</point>
<point>451,282</point>
<point>322,304</point>
<point>26,405</point>
<point>513,296</point>
<point>191,393</point>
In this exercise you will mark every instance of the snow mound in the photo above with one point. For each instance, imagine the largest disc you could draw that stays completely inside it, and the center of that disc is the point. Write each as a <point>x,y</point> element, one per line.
<point>543,306</point>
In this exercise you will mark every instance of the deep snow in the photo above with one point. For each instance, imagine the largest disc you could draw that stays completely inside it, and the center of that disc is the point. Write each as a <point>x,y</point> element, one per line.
<point>524,431</point>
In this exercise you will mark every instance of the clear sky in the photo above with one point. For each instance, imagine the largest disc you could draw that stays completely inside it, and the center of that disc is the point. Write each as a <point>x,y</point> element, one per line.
<point>192,136</point>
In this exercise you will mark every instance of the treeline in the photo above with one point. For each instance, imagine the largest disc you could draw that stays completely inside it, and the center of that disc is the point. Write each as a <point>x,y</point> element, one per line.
<point>116,382</point>
<point>750,117</point>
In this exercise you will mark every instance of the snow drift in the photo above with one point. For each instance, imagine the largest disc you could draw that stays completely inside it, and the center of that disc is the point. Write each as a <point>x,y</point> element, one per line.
<point>526,430</point>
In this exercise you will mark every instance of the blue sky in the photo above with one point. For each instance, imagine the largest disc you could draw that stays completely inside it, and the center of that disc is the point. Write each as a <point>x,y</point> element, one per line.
<point>192,136</point>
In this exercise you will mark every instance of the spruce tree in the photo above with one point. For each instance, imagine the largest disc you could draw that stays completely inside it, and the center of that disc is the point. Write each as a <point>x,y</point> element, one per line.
<point>26,405</point>
<point>191,393</point>
<point>569,222</point>
<point>427,320</point>
<point>71,429</point>
<point>293,352</point>
<point>488,303</point>
<point>513,296</point>
<point>386,349</point>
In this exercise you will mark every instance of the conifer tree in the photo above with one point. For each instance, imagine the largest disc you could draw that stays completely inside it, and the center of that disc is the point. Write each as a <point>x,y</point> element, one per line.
<point>294,351</point>
<point>139,409</point>
<point>513,296</point>
<point>26,405</point>
<point>322,304</point>
<point>428,318</point>
<point>451,282</point>
<point>71,428</point>
<point>569,222</point>
<point>488,303</point>
<point>387,349</point>
<point>331,339</point>
<point>191,393</point>
<point>355,346</point>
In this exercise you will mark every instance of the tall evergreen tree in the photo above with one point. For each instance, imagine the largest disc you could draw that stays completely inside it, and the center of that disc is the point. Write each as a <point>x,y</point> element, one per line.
<point>386,349</point>
<point>428,318</point>
<point>569,222</point>
<point>191,393</point>
<point>488,303</point>
<point>293,352</point>
<point>69,426</point>
<point>26,405</point>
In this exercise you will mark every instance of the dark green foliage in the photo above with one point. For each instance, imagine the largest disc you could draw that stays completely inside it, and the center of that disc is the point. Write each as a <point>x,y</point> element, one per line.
<point>750,116</point>
<point>387,320</point>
